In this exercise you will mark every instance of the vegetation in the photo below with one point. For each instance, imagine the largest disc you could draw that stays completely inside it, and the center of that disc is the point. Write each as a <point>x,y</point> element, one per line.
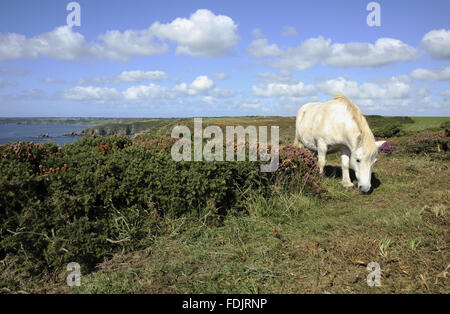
<point>387,126</point>
<point>422,123</point>
<point>389,130</point>
<point>139,222</point>
<point>381,121</point>
<point>133,126</point>
<point>99,196</point>
<point>426,142</point>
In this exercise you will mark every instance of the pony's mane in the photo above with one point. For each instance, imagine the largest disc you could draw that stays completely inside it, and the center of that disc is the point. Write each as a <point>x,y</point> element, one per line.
<point>366,133</point>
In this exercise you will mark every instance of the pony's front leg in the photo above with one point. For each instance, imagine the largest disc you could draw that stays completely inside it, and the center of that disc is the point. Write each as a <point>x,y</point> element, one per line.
<point>322,154</point>
<point>345,158</point>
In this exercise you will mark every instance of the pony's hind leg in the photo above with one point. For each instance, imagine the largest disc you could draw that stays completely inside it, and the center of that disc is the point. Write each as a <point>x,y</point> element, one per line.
<point>322,155</point>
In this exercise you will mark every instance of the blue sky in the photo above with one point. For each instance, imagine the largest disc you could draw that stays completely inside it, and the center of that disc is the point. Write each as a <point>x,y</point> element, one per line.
<point>222,58</point>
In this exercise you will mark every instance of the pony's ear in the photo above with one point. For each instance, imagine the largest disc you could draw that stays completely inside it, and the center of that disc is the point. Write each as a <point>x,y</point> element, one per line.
<point>379,143</point>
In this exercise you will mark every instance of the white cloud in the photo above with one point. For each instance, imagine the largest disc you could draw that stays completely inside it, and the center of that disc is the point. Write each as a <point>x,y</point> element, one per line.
<point>12,46</point>
<point>284,76</point>
<point>278,90</point>
<point>306,55</point>
<point>289,31</point>
<point>28,94</point>
<point>104,94</point>
<point>437,43</point>
<point>422,91</point>
<point>251,105</point>
<point>260,48</point>
<point>151,91</point>
<point>93,80</point>
<point>61,43</point>
<point>403,78</point>
<point>313,50</point>
<point>384,51</point>
<point>223,93</point>
<point>120,46</point>
<point>65,44</point>
<point>182,89</point>
<point>200,85</point>
<point>139,76</point>
<point>394,88</point>
<point>423,99</point>
<point>203,34</point>
<point>134,76</point>
<point>437,74</point>
<point>445,94</point>
<point>90,93</point>
<point>210,100</point>
<point>340,85</point>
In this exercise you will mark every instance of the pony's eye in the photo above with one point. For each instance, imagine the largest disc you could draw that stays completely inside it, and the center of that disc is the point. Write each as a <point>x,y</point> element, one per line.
<point>358,160</point>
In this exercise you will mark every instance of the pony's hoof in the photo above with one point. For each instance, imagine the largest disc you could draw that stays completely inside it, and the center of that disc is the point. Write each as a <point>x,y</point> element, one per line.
<point>347,185</point>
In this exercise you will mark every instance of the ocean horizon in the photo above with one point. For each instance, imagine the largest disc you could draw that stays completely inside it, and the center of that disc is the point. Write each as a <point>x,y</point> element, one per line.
<point>13,132</point>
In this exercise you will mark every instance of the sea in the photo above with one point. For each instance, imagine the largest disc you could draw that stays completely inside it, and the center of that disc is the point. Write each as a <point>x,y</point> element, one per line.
<point>31,133</point>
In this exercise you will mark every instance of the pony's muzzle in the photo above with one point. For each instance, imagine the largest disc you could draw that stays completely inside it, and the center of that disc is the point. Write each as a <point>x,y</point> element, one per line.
<point>363,189</point>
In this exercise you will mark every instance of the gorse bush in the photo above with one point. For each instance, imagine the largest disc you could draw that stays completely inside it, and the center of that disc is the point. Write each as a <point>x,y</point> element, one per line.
<point>446,126</point>
<point>298,168</point>
<point>32,153</point>
<point>389,130</point>
<point>434,144</point>
<point>428,142</point>
<point>98,196</point>
<point>376,121</point>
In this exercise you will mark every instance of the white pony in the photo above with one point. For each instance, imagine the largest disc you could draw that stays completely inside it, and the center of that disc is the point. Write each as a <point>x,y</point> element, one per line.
<point>338,125</point>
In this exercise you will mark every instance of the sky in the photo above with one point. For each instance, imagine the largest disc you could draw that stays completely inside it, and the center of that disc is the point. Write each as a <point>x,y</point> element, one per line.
<point>141,58</point>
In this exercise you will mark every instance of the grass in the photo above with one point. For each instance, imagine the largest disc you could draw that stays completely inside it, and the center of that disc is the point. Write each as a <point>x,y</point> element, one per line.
<point>291,243</point>
<point>294,244</point>
<point>422,123</point>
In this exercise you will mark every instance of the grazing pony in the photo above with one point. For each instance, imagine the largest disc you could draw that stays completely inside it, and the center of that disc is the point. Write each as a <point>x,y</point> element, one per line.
<point>338,125</point>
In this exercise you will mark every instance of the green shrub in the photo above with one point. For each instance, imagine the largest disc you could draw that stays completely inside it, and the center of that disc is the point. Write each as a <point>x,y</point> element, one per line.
<point>376,121</point>
<point>90,199</point>
<point>445,125</point>
<point>428,142</point>
<point>298,168</point>
<point>389,130</point>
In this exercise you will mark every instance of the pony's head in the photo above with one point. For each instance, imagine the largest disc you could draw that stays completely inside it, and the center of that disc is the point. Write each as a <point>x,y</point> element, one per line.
<point>362,161</point>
